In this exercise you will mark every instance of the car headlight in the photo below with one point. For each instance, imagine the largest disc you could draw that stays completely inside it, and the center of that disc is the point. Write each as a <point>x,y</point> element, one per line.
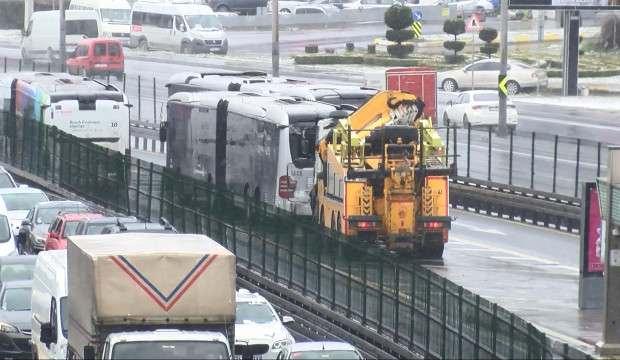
<point>8,328</point>
<point>280,344</point>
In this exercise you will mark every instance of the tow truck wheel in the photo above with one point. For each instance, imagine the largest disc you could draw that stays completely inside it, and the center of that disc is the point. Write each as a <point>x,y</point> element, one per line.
<point>433,249</point>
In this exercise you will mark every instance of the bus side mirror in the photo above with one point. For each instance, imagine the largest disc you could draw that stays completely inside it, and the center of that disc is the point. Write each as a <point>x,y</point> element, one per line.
<point>163,131</point>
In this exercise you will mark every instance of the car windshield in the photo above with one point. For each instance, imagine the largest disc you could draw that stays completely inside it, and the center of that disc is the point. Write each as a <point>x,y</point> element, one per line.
<point>15,272</point>
<point>257,313</point>
<point>325,354</point>
<point>170,350</point>
<point>16,299</point>
<point>70,228</point>
<point>198,22</point>
<point>23,201</point>
<point>486,97</point>
<point>48,215</point>
<point>5,229</point>
<point>5,181</point>
<point>64,316</point>
<point>117,16</point>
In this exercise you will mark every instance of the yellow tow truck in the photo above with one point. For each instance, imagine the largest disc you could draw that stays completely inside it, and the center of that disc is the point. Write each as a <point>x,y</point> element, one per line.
<point>381,174</point>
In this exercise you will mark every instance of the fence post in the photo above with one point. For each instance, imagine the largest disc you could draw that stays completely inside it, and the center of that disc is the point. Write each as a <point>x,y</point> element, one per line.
<point>397,304</point>
<point>532,163</point>
<point>277,256</point>
<point>124,81</point>
<point>494,331</point>
<point>427,327</point>
<point>454,150</point>
<point>460,326</point>
<point>34,66</point>
<point>489,156</point>
<point>150,196</point>
<point>19,65</point>
<point>264,255</point>
<point>447,140</point>
<point>5,64</point>
<point>333,264</point>
<point>380,302</point>
<point>290,262</point>
<point>511,337</point>
<point>468,148</point>
<point>305,262</point>
<point>444,316</point>
<point>364,291</point>
<point>577,167</point>
<point>412,309</point>
<point>349,289</point>
<point>598,159</point>
<point>555,162</point>
<point>318,269</point>
<point>139,98</point>
<point>139,166</point>
<point>477,329</point>
<point>49,67</point>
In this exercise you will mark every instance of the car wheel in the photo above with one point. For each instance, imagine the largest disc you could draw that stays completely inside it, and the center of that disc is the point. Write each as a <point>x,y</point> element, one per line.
<point>449,85</point>
<point>446,119</point>
<point>222,8</point>
<point>285,11</point>
<point>143,45</point>
<point>513,87</point>
<point>465,121</point>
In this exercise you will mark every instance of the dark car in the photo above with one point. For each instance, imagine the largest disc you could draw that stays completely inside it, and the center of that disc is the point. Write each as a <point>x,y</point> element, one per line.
<point>34,229</point>
<point>162,227</point>
<point>96,226</point>
<point>16,268</point>
<point>243,7</point>
<point>15,320</point>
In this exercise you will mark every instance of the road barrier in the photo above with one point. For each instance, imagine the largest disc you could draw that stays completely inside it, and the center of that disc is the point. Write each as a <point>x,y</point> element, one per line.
<point>392,303</point>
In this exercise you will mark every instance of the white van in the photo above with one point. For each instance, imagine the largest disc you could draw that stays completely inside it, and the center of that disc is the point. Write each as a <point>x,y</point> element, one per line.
<point>179,27</point>
<point>49,304</point>
<point>42,36</point>
<point>113,15</point>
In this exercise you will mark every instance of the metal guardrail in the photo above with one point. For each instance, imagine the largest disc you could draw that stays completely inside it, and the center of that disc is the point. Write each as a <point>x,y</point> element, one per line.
<point>397,306</point>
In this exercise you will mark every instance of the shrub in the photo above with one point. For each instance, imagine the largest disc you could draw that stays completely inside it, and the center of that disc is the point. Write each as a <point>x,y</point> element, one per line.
<point>454,59</point>
<point>454,27</point>
<point>372,49</point>
<point>488,35</point>
<point>330,50</point>
<point>350,46</point>
<point>312,49</point>
<point>489,49</point>
<point>399,19</point>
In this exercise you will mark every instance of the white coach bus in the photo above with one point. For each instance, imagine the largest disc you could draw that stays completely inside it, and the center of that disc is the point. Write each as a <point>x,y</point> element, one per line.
<point>262,146</point>
<point>81,107</point>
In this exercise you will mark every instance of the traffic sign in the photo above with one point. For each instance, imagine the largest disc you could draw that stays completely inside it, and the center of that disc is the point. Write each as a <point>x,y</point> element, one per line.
<point>501,84</point>
<point>417,15</point>
<point>474,24</point>
<point>416,27</point>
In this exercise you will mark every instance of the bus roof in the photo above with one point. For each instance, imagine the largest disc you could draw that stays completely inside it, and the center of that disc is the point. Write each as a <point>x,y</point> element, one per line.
<point>61,86</point>
<point>281,110</point>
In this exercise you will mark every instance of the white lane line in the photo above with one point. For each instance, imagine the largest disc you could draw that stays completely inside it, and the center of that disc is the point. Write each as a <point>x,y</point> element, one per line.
<point>512,253</point>
<point>479,229</point>
<point>568,122</point>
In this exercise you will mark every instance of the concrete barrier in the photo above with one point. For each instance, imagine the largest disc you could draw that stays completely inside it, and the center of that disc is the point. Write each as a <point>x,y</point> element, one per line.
<point>341,18</point>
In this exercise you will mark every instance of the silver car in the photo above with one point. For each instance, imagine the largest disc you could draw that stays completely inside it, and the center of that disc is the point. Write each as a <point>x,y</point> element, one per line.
<point>484,74</point>
<point>320,350</point>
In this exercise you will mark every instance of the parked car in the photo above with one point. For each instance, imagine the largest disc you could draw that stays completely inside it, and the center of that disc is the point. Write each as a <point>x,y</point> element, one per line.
<point>370,4</point>
<point>244,7</point>
<point>485,75</point>
<point>41,38</point>
<point>15,268</point>
<point>15,319</point>
<point>320,350</point>
<point>6,179</point>
<point>96,225</point>
<point>49,304</point>
<point>476,108</point>
<point>17,202</point>
<point>184,28</point>
<point>257,323</point>
<point>64,226</point>
<point>163,226</point>
<point>335,3</point>
<point>99,56</point>
<point>316,9</point>
<point>467,7</point>
<point>33,232</point>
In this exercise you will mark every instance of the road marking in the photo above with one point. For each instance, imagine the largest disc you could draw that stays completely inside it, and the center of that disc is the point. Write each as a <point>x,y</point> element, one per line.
<point>512,253</point>
<point>479,229</point>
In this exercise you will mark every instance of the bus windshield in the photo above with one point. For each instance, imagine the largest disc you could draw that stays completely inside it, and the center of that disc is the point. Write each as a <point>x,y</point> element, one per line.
<point>302,136</point>
<point>116,16</point>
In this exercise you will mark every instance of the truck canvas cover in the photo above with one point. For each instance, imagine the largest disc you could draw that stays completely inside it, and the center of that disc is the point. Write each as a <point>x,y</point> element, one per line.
<point>147,279</point>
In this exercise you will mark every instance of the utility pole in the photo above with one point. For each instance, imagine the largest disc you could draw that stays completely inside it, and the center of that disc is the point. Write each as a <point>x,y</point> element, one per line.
<point>502,129</point>
<point>62,46</point>
<point>610,344</point>
<point>570,60</point>
<point>541,25</point>
<point>275,39</point>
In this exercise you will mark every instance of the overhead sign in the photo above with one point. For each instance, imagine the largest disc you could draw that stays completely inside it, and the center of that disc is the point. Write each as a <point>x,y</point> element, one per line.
<point>501,85</point>
<point>416,27</point>
<point>565,4</point>
<point>473,23</point>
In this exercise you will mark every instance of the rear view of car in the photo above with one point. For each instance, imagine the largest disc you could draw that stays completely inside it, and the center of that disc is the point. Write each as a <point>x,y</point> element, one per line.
<point>98,56</point>
<point>321,350</point>
<point>15,319</point>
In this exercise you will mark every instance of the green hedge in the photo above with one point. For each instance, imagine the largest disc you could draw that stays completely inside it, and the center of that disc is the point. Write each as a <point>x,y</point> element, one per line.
<point>347,60</point>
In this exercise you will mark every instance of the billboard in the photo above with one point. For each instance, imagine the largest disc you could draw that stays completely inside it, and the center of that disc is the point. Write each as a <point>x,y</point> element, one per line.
<point>592,236</point>
<point>565,4</point>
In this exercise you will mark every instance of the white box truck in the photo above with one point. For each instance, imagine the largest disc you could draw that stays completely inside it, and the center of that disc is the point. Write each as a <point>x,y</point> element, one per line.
<point>150,296</point>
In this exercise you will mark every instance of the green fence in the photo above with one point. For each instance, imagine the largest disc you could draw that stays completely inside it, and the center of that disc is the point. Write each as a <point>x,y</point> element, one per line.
<point>408,304</point>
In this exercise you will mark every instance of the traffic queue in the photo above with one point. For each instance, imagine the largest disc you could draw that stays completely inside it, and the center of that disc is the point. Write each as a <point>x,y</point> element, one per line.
<point>79,282</point>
